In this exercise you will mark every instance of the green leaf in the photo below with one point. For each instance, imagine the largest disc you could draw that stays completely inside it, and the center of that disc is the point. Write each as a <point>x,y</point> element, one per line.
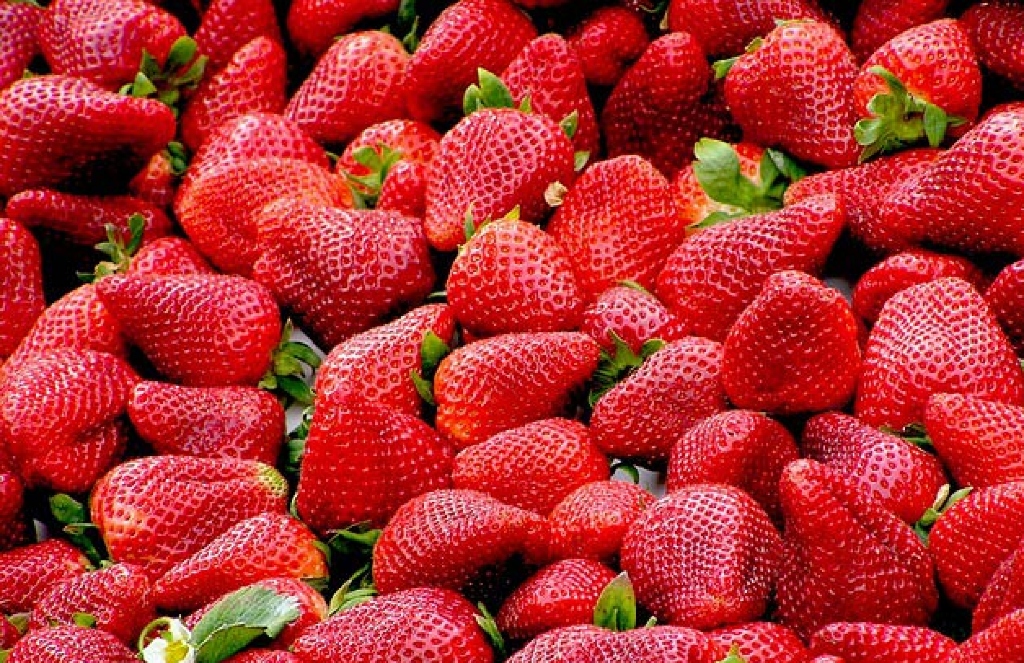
<point>142,87</point>
<point>469,227</point>
<point>944,501</point>
<point>722,67</point>
<point>786,165</point>
<point>136,227</point>
<point>629,469</point>
<point>83,619</point>
<point>182,52</point>
<point>296,389</point>
<point>495,93</point>
<point>424,387</point>
<point>718,171</point>
<point>432,351</point>
<point>714,219</point>
<point>734,656</point>
<point>570,123</point>
<point>935,123</point>
<point>238,619</point>
<point>580,159</point>
<point>616,606</point>
<point>612,368</point>
<point>67,510</point>
<point>490,627</point>
<point>633,285</point>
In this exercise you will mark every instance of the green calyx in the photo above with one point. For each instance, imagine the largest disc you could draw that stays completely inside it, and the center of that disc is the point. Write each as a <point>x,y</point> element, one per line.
<point>899,119</point>
<point>182,71</point>
<point>734,656</point>
<point>432,350</point>
<point>491,92</point>
<point>177,156</point>
<point>118,248</point>
<point>723,67</point>
<point>944,501</point>
<point>77,524</point>
<point>615,366</point>
<point>616,606</point>
<point>913,433</point>
<point>291,367</point>
<point>379,160</point>
<point>358,589</point>
<point>485,620</point>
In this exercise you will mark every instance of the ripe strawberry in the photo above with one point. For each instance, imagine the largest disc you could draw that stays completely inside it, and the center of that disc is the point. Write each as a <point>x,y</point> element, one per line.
<point>658,109</point>
<point>512,276</point>
<point>562,594</point>
<point>416,141</point>
<point>1004,296</point>
<point>314,24</point>
<point>341,272</point>
<point>9,633</point>
<point>70,644</point>
<point>714,275</point>
<point>896,473</point>
<point>269,545</point>
<point>117,596</point>
<point>796,91</point>
<point>847,557</point>
<point>155,512</point>
<point>418,624</point>
<point>607,43</point>
<point>939,336</point>
<point>12,522</point>
<point>228,25</point>
<point>64,131</point>
<point>252,81</point>
<point>632,314</point>
<point>878,21</point>
<point>865,643</point>
<point>619,222</point>
<point>590,522</point>
<point>739,448</point>
<point>725,27</point>
<point>356,83</point>
<point>978,440</point>
<point>263,656</point>
<point>157,182</point>
<point>561,644</point>
<point>646,413</point>
<point>84,219</point>
<point>405,189</point>
<point>28,572</point>
<point>21,289</point>
<point>169,255</point>
<point>467,36</point>
<point>491,162</point>
<point>18,43</point>
<point>997,29</point>
<point>659,644</point>
<point>1000,642</point>
<point>496,384</point>
<point>762,642</point>
<point>1002,594</point>
<point>389,458</point>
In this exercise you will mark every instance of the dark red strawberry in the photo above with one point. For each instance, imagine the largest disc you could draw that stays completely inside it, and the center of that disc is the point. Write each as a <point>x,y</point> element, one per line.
<point>997,29</point>
<point>762,642</point>
<point>70,644</point>
<point>633,314</point>
<point>591,521</point>
<point>169,255</point>
<point>607,42</point>
<point>725,27</point>
<point>1003,594</point>
<point>21,289</point>
<point>979,441</point>
<point>18,21</point>
<point>84,219</point>
<point>228,25</point>
<point>1005,298</point>
<point>1001,641</point>
<point>878,21</point>
<point>314,24</point>
<point>867,643</point>
<point>13,528</point>
<point>158,180</point>
<point>28,572</point>
<point>559,645</point>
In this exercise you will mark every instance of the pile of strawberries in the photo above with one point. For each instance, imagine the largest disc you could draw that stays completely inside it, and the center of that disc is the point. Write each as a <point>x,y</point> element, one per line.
<point>758,259</point>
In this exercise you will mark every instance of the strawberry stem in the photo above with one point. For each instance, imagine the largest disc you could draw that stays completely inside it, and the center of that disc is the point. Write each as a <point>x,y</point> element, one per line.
<point>944,501</point>
<point>490,627</point>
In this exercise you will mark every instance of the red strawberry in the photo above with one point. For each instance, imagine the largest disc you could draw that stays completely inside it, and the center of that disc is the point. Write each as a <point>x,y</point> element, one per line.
<point>512,276</point>
<point>619,222</point>
<point>118,597</point>
<point>496,384</point>
<point>418,624</point>
<point>157,182</point>
<point>1004,296</point>
<point>997,29</point>
<point>659,644</point>
<point>645,414</point>
<point>715,274</point>
<point>1002,594</point>
<point>703,556</point>
<point>762,642</point>
<point>1000,642</point>
<point>559,645</point>
<point>28,572</point>
<point>405,189</point>
<point>169,255</point>
<point>607,42</point>
<point>18,23</point>
<point>739,448</point>
<point>21,289</point>
<point>416,141</point>
<point>357,83</point>
<point>389,458</point>
<point>725,27</point>
<point>591,521</point>
<point>794,349</point>
<point>868,643</point>
<point>314,24</point>
<point>796,91</point>
<point>156,511</point>
<point>562,594</point>
<point>847,557</point>
<point>269,545</point>
<point>263,656</point>
<point>63,131</point>
<point>896,473</point>
<point>9,633</point>
<point>696,205</point>
<point>878,21</point>
<point>939,336</point>
<point>978,440</point>
<point>657,110</point>
<point>446,537</point>
<point>60,416</point>
<point>70,644</point>
<point>341,271</point>
<point>228,25</point>
<point>491,162</point>
<point>632,314</point>
<point>12,499</point>
<point>84,219</point>
<point>467,36</point>
<point>253,80</point>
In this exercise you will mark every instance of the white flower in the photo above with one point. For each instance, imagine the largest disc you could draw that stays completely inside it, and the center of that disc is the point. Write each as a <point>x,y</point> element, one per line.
<point>174,646</point>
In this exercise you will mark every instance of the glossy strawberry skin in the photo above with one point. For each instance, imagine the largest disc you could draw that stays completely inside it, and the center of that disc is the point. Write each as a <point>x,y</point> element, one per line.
<point>878,21</point>
<point>978,440</point>
<point>725,27</point>
<point>607,43</point>
<point>560,644</point>
<point>18,36</point>
<point>659,644</point>
<point>13,529</point>
<point>1002,594</point>
<point>71,644</point>
<point>169,255</point>
<point>228,25</point>
<point>313,24</point>
<point>21,290</point>
<point>1004,296</point>
<point>997,28</point>
<point>591,521</point>
<point>416,141</point>
<point>865,642</point>
<point>30,571</point>
<point>762,642</point>
<point>633,315</point>
<point>83,219</point>
<point>1001,641</point>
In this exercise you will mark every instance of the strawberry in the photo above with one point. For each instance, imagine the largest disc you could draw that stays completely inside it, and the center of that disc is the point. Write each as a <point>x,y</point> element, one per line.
<point>30,571</point>
<point>902,270</point>
<point>1004,297</point>
<point>228,25</point>
<point>63,131</point>
<point>878,21</point>
<point>558,645</point>
<point>847,557</point>
<point>739,448</point>
<point>762,642</point>
<point>415,141</point>
<point>418,624</point>
<point>939,336</point>
<point>513,276</point>
<point>375,365</point>
<point>445,538</point>
<point>70,644</point>
<point>12,499</point>
<point>631,313</point>
<point>866,643</point>
<point>714,275</point>
<point>1002,594</point>
<point>644,415</point>
<point>562,594</point>
<point>263,656</point>
<point>84,219</point>
<point>9,633</point>
<point>314,24</point>
<point>491,162</point>
<point>607,42</point>
<point>266,546</point>
<point>659,644</point>
<point>896,473</point>
<point>157,182</point>
<point>118,597</point>
<point>253,80</point>
<point>590,522</point>
<point>175,319</point>
<point>467,36</point>
<point>18,43</point>
<point>169,255</point>
<point>389,458</point>
<point>21,290</point>
<point>997,29</point>
<point>618,222</point>
<point>213,422</point>
<point>725,27</point>
<point>1000,642</point>
<point>496,384</point>
<point>658,109</point>
<point>341,271</point>
<point>703,556</point>
<point>548,72</point>
<point>733,174</point>
<point>978,440</point>
<point>154,512</point>
<point>794,89</point>
<point>356,83</point>
<point>405,189</point>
